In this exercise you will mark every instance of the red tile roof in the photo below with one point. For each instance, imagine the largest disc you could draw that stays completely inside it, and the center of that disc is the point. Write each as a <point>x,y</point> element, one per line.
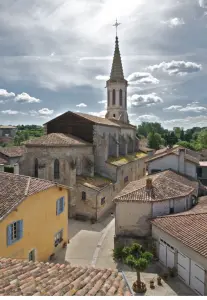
<point>58,140</point>
<point>3,161</point>
<point>165,185</point>
<point>22,278</point>
<point>189,227</point>
<point>15,151</point>
<point>15,188</point>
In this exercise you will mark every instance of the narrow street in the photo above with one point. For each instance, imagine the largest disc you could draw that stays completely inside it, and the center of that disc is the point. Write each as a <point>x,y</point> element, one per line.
<point>90,244</point>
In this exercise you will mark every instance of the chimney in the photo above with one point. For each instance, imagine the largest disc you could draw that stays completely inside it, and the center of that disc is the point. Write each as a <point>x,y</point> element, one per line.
<point>1,168</point>
<point>149,183</point>
<point>16,169</point>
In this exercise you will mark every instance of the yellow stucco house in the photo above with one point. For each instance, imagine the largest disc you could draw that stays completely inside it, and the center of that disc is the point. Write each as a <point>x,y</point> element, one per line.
<point>33,217</point>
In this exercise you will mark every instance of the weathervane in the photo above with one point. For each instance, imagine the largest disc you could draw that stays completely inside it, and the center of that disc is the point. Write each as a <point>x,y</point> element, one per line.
<point>116,25</point>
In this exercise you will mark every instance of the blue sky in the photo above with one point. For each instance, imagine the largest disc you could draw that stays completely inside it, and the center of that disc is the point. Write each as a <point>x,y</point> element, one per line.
<point>56,55</point>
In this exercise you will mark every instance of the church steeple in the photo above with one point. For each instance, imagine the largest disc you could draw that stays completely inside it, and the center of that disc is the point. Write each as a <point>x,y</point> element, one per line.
<point>117,70</point>
<point>117,88</point>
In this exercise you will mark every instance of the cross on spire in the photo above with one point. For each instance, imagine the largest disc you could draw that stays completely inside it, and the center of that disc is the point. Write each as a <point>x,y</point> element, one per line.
<point>116,25</point>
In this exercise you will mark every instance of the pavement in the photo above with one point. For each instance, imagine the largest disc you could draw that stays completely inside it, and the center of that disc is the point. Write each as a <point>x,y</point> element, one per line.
<point>92,245</point>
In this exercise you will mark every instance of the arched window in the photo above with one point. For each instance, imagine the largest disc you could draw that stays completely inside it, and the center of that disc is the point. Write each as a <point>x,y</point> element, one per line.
<point>114,97</point>
<point>125,99</point>
<point>120,97</point>
<point>114,115</point>
<point>108,98</point>
<point>56,169</point>
<point>36,168</point>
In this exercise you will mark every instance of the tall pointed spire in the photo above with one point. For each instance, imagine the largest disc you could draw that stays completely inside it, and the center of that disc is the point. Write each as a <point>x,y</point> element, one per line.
<point>117,70</point>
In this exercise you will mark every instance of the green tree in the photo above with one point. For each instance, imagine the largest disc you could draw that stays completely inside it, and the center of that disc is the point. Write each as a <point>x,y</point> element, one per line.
<point>136,258</point>
<point>154,140</point>
<point>202,138</point>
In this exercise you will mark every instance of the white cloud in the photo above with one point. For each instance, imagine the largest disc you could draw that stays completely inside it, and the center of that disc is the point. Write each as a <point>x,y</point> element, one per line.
<point>102,102</point>
<point>98,114</point>
<point>26,98</point>
<point>102,77</point>
<point>5,94</point>
<point>177,67</point>
<point>81,105</point>
<point>143,100</point>
<point>148,118</point>
<point>10,112</point>
<point>142,77</point>
<point>46,111</point>
<point>198,121</point>
<point>191,107</point>
<point>203,3</point>
<point>174,22</point>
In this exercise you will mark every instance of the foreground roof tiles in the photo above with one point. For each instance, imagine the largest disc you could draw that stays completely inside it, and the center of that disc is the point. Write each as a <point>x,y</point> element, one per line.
<point>189,227</point>
<point>18,277</point>
<point>15,151</point>
<point>15,188</point>
<point>58,140</point>
<point>165,185</point>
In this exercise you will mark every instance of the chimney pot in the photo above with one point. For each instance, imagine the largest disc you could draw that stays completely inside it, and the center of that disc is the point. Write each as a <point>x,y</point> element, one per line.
<point>149,183</point>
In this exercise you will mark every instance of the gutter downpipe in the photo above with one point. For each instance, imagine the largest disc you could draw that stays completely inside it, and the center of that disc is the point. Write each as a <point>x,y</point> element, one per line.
<point>125,279</point>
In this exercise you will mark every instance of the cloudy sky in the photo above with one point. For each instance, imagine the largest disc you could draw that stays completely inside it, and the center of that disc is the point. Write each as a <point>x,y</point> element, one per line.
<point>55,55</point>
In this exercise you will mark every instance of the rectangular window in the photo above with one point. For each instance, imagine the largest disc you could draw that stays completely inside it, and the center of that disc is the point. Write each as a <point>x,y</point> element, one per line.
<point>83,196</point>
<point>126,179</point>
<point>103,201</point>
<point>58,238</point>
<point>60,203</point>
<point>171,210</point>
<point>14,232</point>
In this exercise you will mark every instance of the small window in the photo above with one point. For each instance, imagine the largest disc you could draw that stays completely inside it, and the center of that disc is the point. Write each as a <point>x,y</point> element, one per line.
<point>14,232</point>
<point>120,97</point>
<point>56,169</point>
<point>126,179</point>
<point>36,168</point>
<point>103,201</point>
<point>114,115</point>
<point>58,238</point>
<point>60,203</point>
<point>171,210</point>
<point>32,255</point>
<point>114,97</point>
<point>83,195</point>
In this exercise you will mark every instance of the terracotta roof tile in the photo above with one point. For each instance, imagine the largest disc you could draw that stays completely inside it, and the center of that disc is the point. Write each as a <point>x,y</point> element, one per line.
<point>3,161</point>
<point>18,277</point>
<point>189,227</point>
<point>15,151</point>
<point>15,188</point>
<point>58,140</point>
<point>165,185</point>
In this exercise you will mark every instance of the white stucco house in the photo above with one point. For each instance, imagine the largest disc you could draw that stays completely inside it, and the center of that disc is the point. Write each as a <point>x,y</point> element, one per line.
<point>178,159</point>
<point>182,243</point>
<point>160,194</point>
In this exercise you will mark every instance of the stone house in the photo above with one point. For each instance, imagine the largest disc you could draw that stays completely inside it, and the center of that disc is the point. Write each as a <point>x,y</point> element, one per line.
<point>95,156</point>
<point>181,242</point>
<point>160,194</point>
<point>178,159</point>
<point>8,131</point>
<point>11,155</point>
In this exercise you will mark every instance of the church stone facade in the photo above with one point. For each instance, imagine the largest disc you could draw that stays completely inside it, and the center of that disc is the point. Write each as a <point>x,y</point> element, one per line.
<point>96,157</point>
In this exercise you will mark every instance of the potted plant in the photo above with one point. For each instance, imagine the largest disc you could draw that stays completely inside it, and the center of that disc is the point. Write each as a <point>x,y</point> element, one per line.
<point>137,259</point>
<point>172,272</point>
<point>152,284</point>
<point>159,280</point>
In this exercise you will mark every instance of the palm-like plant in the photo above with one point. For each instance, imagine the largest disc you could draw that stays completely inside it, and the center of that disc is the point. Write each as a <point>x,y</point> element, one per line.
<point>137,259</point>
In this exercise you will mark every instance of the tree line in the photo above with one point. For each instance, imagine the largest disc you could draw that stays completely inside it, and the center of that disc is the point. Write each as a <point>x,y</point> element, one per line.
<point>194,138</point>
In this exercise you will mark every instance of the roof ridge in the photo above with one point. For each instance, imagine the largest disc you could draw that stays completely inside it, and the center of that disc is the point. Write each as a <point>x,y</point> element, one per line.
<point>182,214</point>
<point>27,187</point>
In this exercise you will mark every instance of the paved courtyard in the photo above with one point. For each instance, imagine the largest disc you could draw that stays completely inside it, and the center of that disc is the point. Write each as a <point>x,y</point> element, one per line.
<point>92,245</point>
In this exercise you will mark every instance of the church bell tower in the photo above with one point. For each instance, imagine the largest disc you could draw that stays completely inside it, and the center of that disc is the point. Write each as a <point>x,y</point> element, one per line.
<point>117,88</point>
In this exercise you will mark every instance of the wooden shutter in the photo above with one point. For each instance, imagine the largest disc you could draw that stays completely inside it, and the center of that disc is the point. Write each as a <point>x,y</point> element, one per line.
<point>9,235</point>
<point>19,229</point>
